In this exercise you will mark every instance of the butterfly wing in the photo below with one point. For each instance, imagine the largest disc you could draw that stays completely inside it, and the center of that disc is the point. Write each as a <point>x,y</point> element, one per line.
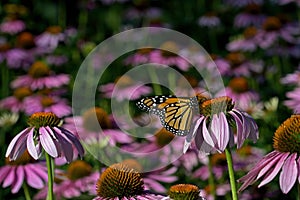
<point>175,113</point>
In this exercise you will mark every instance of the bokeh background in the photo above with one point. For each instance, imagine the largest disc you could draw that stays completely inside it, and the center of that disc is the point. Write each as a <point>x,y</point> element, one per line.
<point>254,43</point>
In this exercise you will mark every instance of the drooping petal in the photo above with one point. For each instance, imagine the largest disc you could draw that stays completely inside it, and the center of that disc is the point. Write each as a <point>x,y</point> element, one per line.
<point>72,138</point>
<point>271,175</point>
<point>55,140</point>
<point>280,157</point>
<point>206,134</point>
<point>19,181</point>
<point>31,145</point>
<point>32,179</point>
<point>10,178</point>
<point>240,129</point>
<point>298,162</point>
<point>220,130</point>
<point>190,137</point>
<point>66,145</point>
<point>4,172</point>
<point>16,142</point>
<point>288,175</point>
<point>47,142</point>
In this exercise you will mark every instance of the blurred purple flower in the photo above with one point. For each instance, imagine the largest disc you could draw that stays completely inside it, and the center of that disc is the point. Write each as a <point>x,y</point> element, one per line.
<point>125,88</point>
<point>39,77</point>
<point>213,132</point>
<point>294,100</point>
<point>78,179</point>
<point>50,38</point>
<point>15,103</point>
<point>247,42</point>
<point>16,58</point>
<point>44,133</point>
<point>42,103</point>
<point>251,17</point>
<point>95,123</point>
<point>291,79</point>
<point>209,20</point>
<point>243,3</point>
<point>57,60</point>
<point>12,27</point>
<point>23,170</point>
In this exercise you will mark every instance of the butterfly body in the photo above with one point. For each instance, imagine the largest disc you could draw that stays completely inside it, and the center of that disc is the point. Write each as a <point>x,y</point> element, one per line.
<point>175,113</point>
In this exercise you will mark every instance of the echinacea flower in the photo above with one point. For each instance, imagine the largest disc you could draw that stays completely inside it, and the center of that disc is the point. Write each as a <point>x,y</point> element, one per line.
<point>284,158</point>
<point>45,133</point>
<point>50,38</point>
<point>124,88</point>
<point>8,119</point>
<point>12,26</point>
<point>213,131</point>
<point>120,182</point>
<point>39,77</point>
<point>183,191</point>
<point>209,20</point>
<point>78,179</point>
<point>23,170</point>
<point>46,103</point>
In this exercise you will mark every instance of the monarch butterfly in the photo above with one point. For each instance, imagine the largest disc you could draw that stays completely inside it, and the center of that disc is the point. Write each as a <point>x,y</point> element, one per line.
<point>175,113</point>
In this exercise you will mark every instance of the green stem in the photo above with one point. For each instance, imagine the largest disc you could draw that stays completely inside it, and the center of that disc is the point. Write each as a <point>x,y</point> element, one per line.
<point>211,180</point>
<point>153,76</point>
<point>231,174</point>
<point>298,197</point>
<point>26,191</point>
<point>61,21</point>
<point>50,167</point>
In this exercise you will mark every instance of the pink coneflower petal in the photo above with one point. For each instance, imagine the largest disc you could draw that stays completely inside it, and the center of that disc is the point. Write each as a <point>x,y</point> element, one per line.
<point>3,172</point>
<point>10,178</point>
<point>33,179</point>
<point>206,134</point>
<point>72,138</point>
<point>39,171</point>
<point>270,164</point>
<point>154,184</point>
<point>17,140</point>
<point>274,172</point>
<point>220,130</point>
<point>31,146</point>
<point>298,161</point>
<point>16,186</point>
<point>66,145</point>
<point>47,142</point>
<point>287,176</point>
<point>240,129</point>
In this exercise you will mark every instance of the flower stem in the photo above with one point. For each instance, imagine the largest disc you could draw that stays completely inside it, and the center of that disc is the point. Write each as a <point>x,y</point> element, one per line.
<point>26,191</point>
<point>50,167</point>
<point>211,180</point>
<point>231,174</point>
<point>154,79</point>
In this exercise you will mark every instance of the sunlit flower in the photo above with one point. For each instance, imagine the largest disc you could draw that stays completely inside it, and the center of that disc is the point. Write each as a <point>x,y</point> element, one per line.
<point>23,170</point>
<point>120,182</point>
<point>8,119</point>
<point>213,130</point>
<point>183,191</point>
<point>78,179</point>
<point>284,158</point>
<point>44,103</point>
<point>50,38</point>
<point>44,133</point>
<point>40,77</point>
